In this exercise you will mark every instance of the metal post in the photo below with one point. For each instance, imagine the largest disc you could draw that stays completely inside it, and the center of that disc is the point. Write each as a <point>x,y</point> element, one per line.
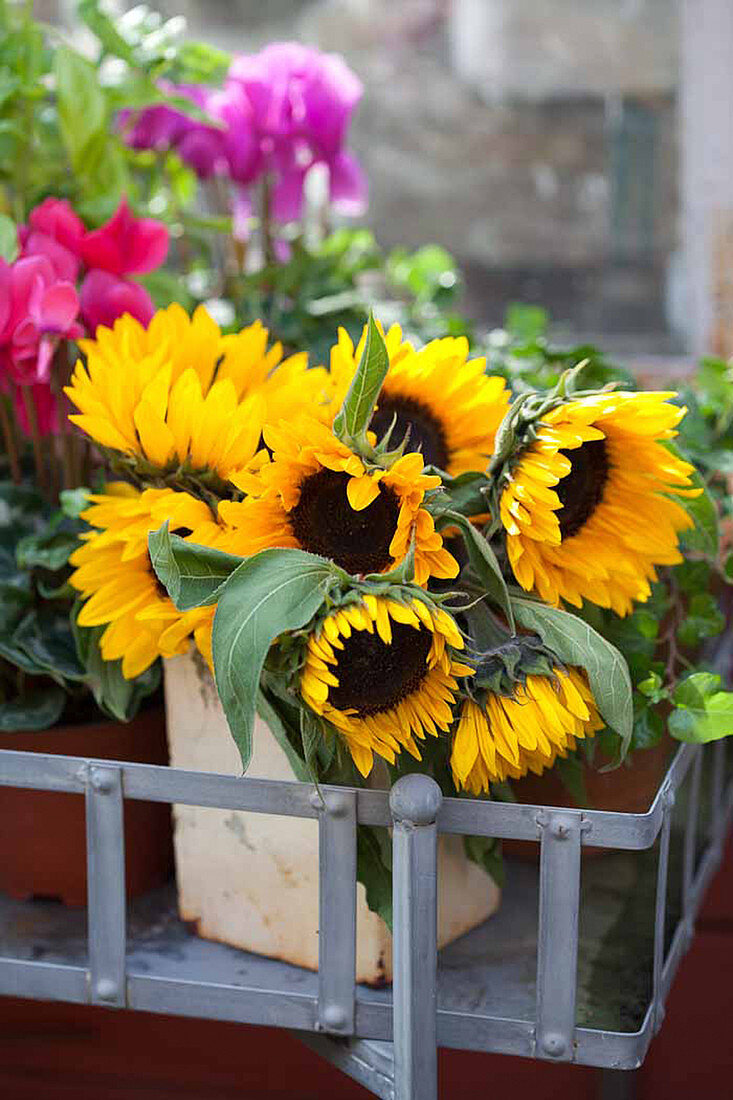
<point>415,801</point>
<point>105,885</point>
<point>660,912</point>
<point>337,910</point>
<point>690,849</point>
<point>717,751</point>
<point>557,945</point>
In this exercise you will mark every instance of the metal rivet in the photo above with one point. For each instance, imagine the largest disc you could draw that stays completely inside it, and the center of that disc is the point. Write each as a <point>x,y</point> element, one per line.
<point>106,989</point>
<point>333,1017</point>
<point>102,781</point>
<point>336,805</point>
<point>554,1045</point>
<point>560,831</point>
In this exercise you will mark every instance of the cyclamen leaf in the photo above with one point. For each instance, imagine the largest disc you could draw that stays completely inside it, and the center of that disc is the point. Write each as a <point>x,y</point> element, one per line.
<point>8,239</point>
<point>576,643</point>
<point>354,415</point>
<point>271,593</point>
<point>82,108</point>
<point>116,696</point>
<point>37,712</point>
<point>191,574</point>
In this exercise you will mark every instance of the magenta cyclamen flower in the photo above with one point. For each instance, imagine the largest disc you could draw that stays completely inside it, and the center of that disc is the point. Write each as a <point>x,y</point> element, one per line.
<point>126,245</point>
<point>55,231</point>
<point>281,112</point>
<point>105,297</point>
<point>302,102</point>
<point>38,309</point>
<point>39,302</point>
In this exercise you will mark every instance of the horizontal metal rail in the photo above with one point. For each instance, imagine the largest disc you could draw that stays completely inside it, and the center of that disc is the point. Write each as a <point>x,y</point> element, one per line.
<point>464,816</point>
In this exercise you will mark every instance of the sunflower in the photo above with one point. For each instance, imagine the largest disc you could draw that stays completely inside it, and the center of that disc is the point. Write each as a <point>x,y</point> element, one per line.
<point>509,735</point>
<point>114,574</point>
<point>585,507</point>
<point>451,408</point>
<point>316,494</point>
<point>179,393</point>
<point>383,673</point>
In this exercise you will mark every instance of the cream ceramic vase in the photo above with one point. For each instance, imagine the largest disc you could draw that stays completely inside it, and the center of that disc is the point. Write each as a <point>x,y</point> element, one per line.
<point>251,880</point>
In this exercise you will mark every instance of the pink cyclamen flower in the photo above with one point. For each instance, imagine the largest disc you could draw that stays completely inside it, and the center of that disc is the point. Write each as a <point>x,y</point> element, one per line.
<point>126,245</point>
<point>104,298</point>
<point>38,310</point>
<point>55,231</point>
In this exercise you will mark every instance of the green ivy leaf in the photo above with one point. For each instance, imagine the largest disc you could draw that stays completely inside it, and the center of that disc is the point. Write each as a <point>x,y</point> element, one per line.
<point>703,713</point>
<point>191,574</point>
<point>576,643</point>
<point>354,416</point>
<point>8,239</point>
<point>271,593</point>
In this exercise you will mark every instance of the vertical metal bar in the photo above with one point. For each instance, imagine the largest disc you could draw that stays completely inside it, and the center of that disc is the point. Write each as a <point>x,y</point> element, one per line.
<point>660,912</point>
<point>557,943</point>
<point>337,911</point>
<point>688,865</point>
<point>415,801</point>
<point>618,1084</point>
<point>716,790</point>
<point>106,885</point>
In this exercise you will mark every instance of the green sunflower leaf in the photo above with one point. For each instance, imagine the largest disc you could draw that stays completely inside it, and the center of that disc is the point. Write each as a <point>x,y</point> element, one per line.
<point>191,574</point>
<point>484,562</point>
<point>352,419</point>
<point>577,643</point>
<point>271,593</point>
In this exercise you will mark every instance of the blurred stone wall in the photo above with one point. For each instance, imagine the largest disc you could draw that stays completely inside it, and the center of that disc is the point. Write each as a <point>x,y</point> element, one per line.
<point>535,139</point>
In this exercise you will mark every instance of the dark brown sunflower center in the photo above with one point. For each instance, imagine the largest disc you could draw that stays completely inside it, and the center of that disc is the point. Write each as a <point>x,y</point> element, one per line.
<point>426,431</point>
<point>581,491</point>
<point>324,523</point>
<point>375,677</point>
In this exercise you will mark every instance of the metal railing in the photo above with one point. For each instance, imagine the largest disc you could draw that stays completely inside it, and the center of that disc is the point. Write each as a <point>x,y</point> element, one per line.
<point>416,811</point>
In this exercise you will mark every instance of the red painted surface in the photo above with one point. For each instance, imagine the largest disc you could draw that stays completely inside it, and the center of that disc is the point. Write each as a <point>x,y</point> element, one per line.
<point>51,1052</point>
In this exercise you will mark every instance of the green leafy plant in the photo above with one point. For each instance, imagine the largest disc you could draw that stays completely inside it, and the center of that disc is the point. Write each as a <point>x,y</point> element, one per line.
<point>51,670</point>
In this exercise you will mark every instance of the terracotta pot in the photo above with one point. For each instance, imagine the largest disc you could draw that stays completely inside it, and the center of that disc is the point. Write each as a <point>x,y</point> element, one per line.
<point>628,789</point>
<point>43,833</point>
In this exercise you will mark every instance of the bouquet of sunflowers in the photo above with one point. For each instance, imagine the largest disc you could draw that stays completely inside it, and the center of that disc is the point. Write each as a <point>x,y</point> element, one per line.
<point>378,555</point>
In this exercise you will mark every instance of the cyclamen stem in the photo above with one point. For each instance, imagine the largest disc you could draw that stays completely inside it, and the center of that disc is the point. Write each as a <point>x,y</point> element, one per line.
<point>30,408</point>
<point>11,445</point>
